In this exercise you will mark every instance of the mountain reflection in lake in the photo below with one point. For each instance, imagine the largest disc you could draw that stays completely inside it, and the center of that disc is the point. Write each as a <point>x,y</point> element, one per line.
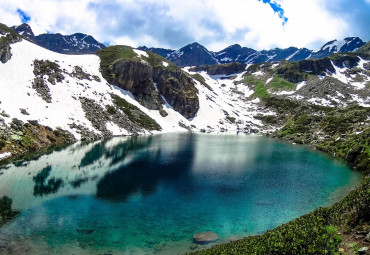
<point>150,194</point>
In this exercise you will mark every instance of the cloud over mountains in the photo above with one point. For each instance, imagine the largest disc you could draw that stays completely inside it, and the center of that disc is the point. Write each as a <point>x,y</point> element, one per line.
<point>261,24</point>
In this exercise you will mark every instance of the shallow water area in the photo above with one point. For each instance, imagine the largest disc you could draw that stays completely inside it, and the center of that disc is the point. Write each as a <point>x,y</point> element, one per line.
<point>151,194</point>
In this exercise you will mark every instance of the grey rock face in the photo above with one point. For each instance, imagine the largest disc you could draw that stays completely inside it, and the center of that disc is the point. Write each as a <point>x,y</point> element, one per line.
<point>137,77</point>
<point>178,89</point>
<point>148,84</point>
<point>5,54</point>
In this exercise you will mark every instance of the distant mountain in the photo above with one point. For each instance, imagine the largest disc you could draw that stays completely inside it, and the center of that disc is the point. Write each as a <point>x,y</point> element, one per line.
<point>191,55</point>
<point>349,44</point>
<point>196,55</point>
<point>68,44</point>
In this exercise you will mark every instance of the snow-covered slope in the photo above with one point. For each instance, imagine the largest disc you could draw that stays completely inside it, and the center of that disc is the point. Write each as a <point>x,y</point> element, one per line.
<point>20,100</point>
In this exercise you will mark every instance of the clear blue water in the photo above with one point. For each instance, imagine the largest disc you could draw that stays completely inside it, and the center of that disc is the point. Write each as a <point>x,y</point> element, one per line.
<point>149,195</point>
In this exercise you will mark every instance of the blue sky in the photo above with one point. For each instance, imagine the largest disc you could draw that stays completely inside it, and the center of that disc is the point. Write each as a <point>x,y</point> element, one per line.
<point>258,24</point>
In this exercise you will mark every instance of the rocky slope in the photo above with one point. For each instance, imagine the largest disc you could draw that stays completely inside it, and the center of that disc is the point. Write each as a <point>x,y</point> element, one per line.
<point>77,43</point>
<point>196,55</point>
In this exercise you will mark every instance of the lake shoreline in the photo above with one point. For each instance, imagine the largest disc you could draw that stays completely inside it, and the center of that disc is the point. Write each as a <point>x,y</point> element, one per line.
<point>364,183</point>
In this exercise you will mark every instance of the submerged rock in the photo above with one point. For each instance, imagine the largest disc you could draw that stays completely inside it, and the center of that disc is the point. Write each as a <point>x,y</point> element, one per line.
<point>205,237</point>
<point>84,230</point>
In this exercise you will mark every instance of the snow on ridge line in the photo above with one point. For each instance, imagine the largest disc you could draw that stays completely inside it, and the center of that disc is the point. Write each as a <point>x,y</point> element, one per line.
<point>141,53</point>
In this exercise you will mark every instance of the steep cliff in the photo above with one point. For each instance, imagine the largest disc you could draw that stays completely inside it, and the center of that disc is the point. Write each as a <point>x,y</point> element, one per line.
<point>150,78</point>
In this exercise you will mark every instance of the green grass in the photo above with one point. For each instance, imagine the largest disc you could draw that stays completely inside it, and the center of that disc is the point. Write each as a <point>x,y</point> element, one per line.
<point>258,84</point>
<point>156,60</point>
<point>135,114</point>
<point>309,234</point>
<point>202,81</point>
<point>261,89</point>
<point>364,49</point>
<point>110,54</point>
<point>278,83</point>
<point>111,109</point>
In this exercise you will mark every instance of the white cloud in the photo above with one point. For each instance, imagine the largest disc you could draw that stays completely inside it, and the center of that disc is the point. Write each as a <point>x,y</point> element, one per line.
<point>173,23</point>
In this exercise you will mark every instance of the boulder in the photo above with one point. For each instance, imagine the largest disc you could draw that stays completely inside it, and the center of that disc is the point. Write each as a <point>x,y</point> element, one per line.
<point>205,237</point>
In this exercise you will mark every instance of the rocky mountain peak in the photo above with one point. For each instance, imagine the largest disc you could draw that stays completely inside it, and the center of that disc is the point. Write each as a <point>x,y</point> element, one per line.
<point>77,43</point>
<point>25,30</point>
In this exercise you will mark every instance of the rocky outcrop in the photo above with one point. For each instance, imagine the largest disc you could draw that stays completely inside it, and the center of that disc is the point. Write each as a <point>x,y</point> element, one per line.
<point>317,67</point>
<point>137,77</point>
<point>5,53</point>
<point>7,37</point>
<point>178,89</point>
<point>20,138</point>
<point>151,84</point>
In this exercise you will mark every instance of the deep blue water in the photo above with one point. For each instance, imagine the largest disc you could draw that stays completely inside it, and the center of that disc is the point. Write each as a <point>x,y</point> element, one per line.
<point>149,195</point>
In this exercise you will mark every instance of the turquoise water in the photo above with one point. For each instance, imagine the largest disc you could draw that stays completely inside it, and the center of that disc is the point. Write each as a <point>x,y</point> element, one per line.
<point>149,195</point>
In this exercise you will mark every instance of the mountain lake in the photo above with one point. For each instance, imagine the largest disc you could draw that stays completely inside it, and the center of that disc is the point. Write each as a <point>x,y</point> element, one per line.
<point>151,194</point>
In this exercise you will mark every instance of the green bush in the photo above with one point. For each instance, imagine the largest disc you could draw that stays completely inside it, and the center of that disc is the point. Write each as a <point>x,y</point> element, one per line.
<point>2,143</point>
<point>111,109</point>
<point>309,234</point>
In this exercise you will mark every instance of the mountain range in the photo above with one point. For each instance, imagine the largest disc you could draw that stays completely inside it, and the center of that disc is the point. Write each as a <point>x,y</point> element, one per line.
<point>195,54</point>
<point>77,43</point>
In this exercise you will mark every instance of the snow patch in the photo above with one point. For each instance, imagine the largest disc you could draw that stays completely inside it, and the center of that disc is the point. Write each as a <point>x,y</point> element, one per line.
<point>300,85</point>
<point>295,53</point>
<point>165,64</point>
<point>225,59</point>
<point>269,79</point>
<point>141,53</point>
<point>5,155</point>
<point>337,44</point>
